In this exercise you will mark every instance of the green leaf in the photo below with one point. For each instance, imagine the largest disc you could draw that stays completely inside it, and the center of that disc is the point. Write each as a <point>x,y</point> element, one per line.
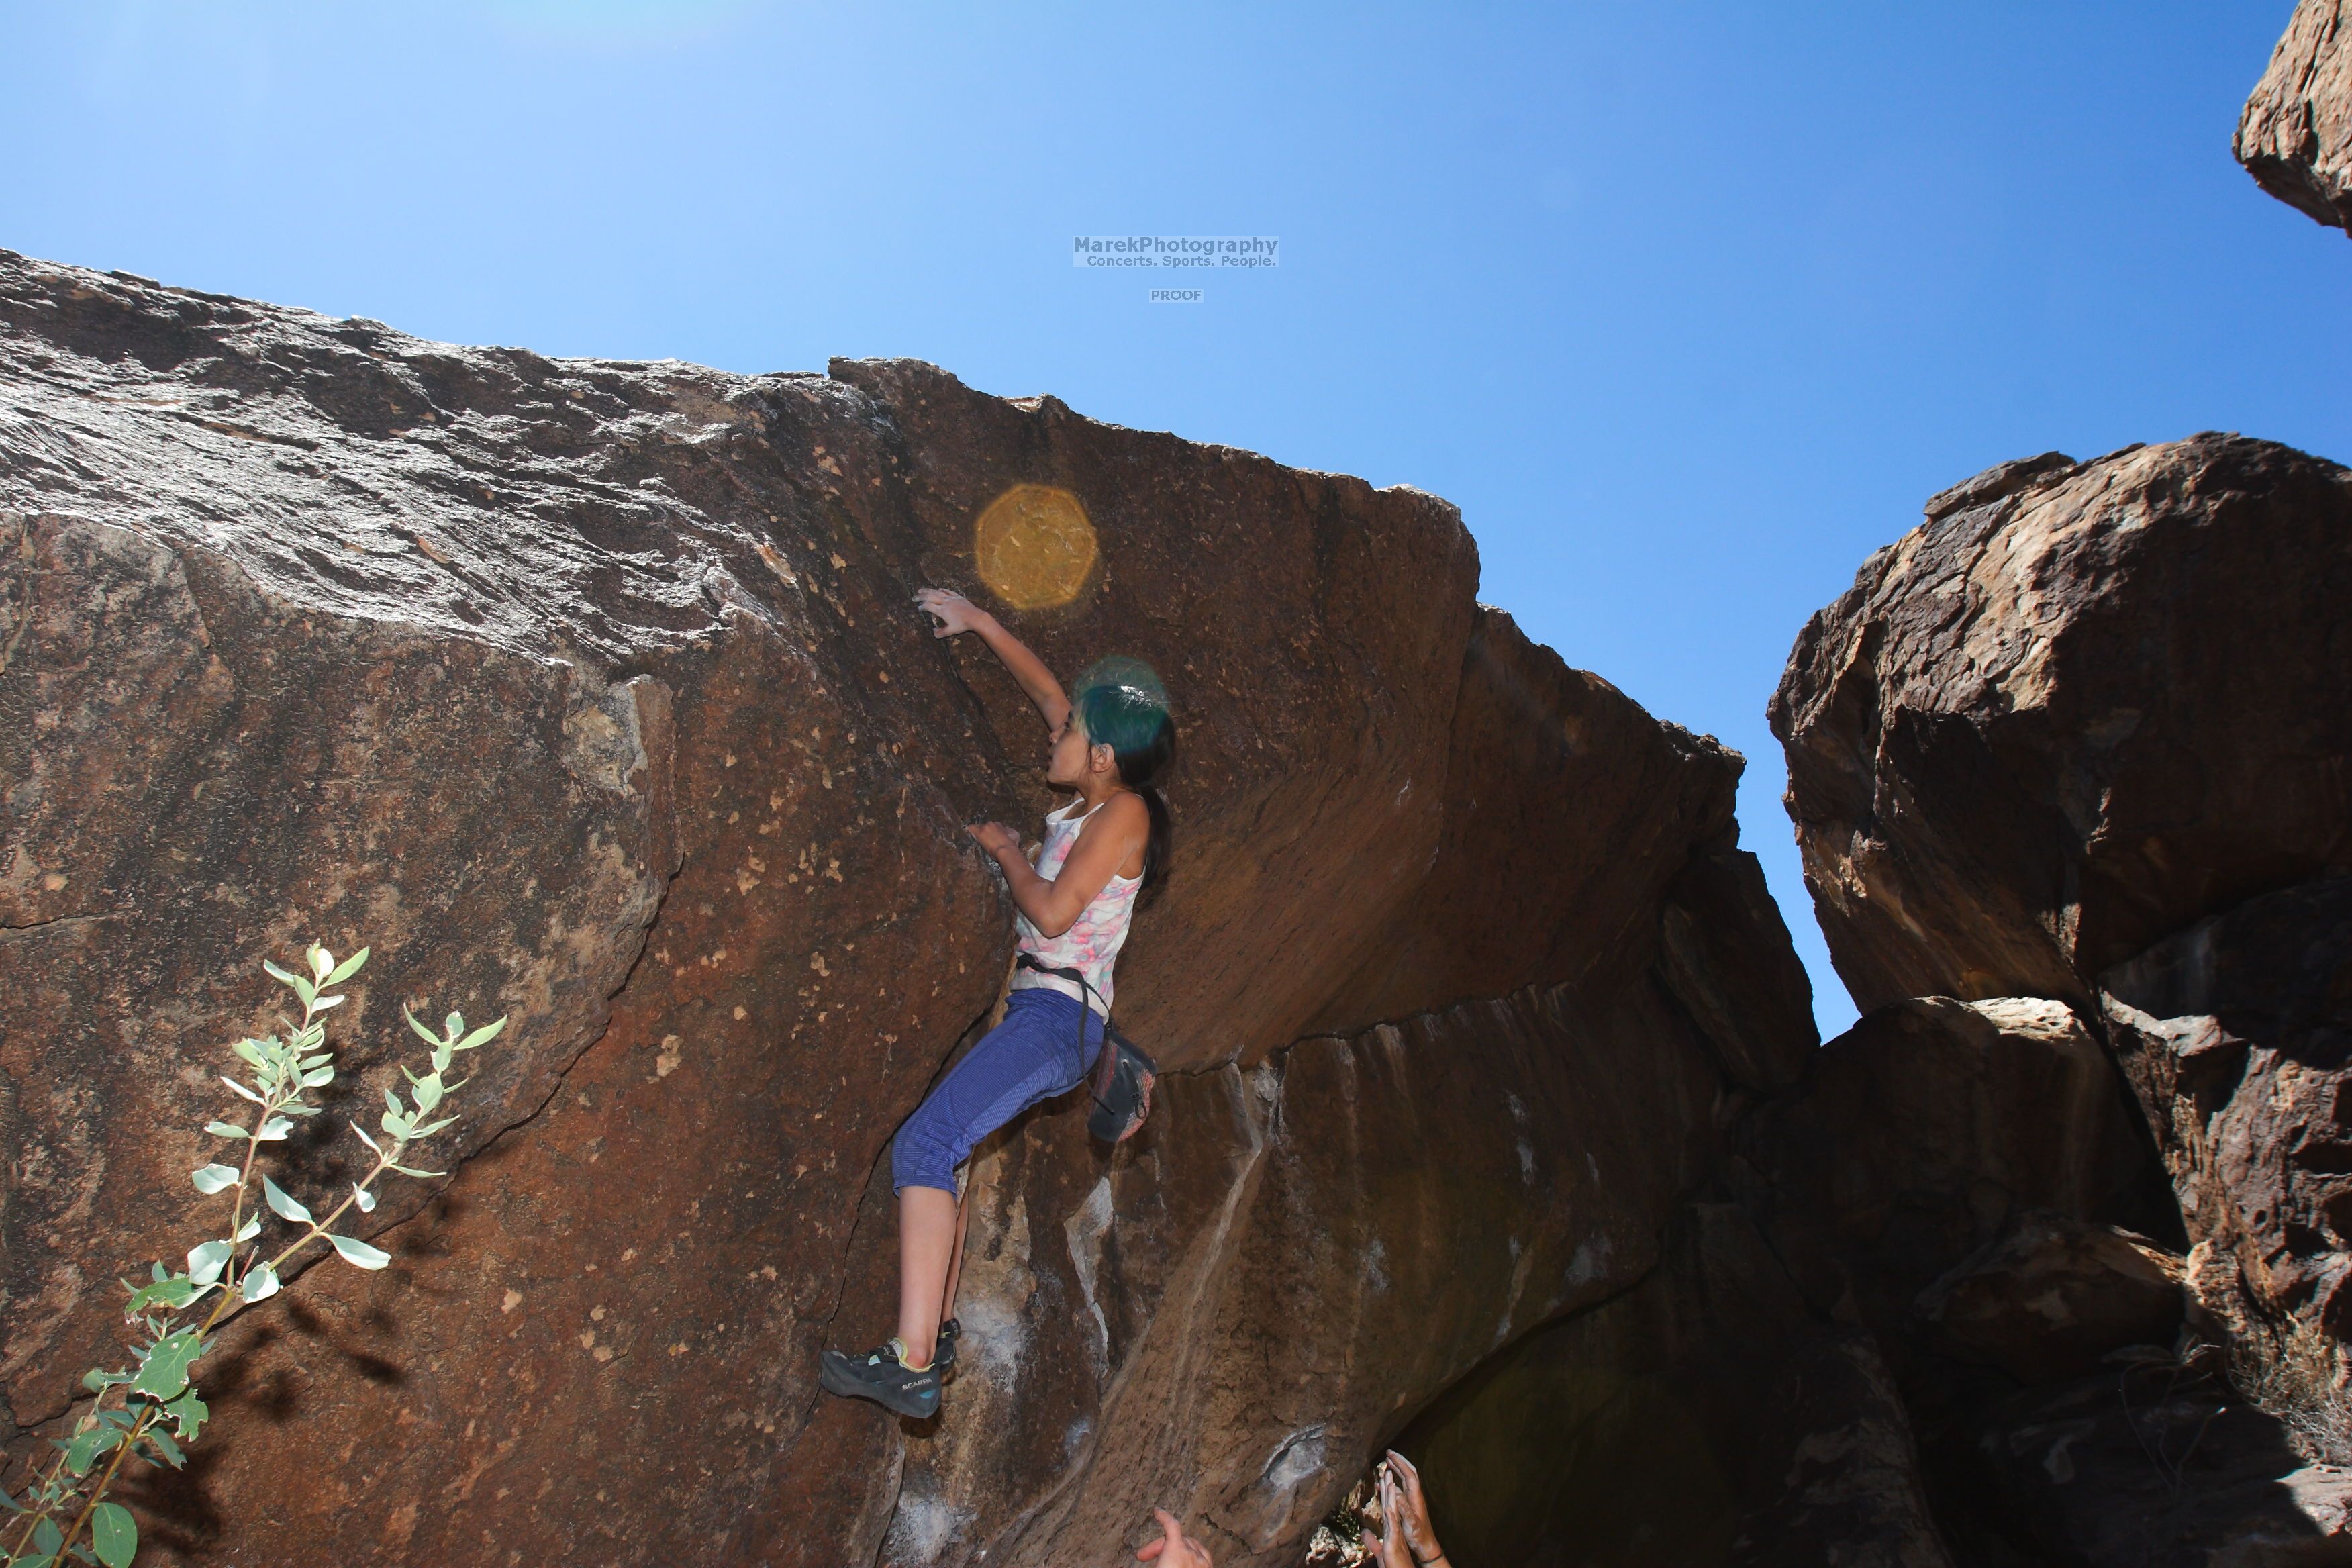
<point>274,1130</point>
<point>97,1382</point>
<point>237,1087</point>
<point>348,967</point>
<point>165,1449</point>
<point>427,1036</point>
<point>83,1449</point>
<point>420,1176</point>
<point>260,1283</point>
<point>326,1001</point>
<point>358,1254</point>
<point>282,1206</point>
<point>317,1076</point>
<point>365,1138</point>
<point>395,1125</point>
<point>296,1108</point>
<point>190,1413</point>
<point>482,1036</point>
<point>321,961</point>
<point>175,1293</point>
<point>427,1094</point>
<point>305,990</point>
<point>11,1504</point>
<point>211,1179</point>
<point>224,1129</point>
<point>429,1128</point>
<point>280,975</point>
<point>164,1370</point>
<point>250,1228</point>
<point>205,1262</point>
<point>453,1026</point>
<point>112,1534</point>
<point>251,1052</point>
<point>364,1198</point>
<point>47,1539</point>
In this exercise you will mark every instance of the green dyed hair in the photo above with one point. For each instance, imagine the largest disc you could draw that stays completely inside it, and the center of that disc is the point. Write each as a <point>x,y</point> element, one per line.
<point>1122,705</point>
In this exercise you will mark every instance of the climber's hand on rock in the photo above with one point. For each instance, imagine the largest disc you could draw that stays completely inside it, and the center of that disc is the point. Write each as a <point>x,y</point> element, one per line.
<point>1390,1543</point>
<point>953,611</point>
<point>1412,1509</point>
<point>996,839</point>
<point>1171,1550</point>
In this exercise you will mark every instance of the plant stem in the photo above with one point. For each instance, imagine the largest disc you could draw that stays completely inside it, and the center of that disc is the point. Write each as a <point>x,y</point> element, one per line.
<point>270,1103</point>
<point>319,1227</point>
<point>90,1505</point>
<point>32,1520</point>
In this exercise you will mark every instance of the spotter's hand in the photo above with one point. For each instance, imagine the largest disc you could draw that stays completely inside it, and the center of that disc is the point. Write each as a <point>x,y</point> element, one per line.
<point>995,837</point>
<point>1412,1509</point>
<point>953,612</point>
<point>1173,1550</point>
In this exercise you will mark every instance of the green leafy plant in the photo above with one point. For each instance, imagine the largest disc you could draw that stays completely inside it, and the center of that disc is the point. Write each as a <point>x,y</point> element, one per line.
<point>150,1410</point>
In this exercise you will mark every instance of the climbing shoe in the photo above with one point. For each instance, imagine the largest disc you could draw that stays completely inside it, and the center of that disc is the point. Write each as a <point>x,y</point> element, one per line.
<point>944,1353</point>
<point>879,1375</point>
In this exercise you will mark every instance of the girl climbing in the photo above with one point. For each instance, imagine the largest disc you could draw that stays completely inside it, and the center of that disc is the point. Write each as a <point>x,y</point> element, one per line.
<point>1102,849</point>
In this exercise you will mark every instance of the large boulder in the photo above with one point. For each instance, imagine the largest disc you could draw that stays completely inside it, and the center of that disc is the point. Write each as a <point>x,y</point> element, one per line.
<point>2083,706</point>
<point>591,693</point>
<point>2070,757</point>
<point>2237,1035</point>
<point>2296,135</point>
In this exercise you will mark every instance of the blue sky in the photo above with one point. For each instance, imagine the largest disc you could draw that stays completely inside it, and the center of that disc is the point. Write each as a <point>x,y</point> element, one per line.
<point>1687,305</point>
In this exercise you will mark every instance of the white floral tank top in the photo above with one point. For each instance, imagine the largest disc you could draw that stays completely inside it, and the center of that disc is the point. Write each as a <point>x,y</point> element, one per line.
<point>1093,940</point>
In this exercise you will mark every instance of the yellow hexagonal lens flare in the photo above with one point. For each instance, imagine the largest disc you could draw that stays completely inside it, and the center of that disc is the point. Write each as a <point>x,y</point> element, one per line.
<point>1035,547</point>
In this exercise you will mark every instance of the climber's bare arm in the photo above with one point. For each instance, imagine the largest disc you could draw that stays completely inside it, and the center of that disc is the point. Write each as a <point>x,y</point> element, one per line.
<point>957,614</point>
<point>1114,835</point>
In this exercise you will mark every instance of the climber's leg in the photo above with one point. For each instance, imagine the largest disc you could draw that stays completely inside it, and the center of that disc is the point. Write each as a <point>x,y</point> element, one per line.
<point>955,1260</point>
<point>926,1249</point>
<point>1033,1054</point>
<point>943,1352</point>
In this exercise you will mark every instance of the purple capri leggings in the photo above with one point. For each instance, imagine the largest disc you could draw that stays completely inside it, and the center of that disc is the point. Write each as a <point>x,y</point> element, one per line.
<point>1034,1055</point>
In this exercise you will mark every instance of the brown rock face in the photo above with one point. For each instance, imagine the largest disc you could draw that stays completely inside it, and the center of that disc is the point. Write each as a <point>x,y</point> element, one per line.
<point>1930,1128</point>
<point>2081,707</point>
<point>1706,1416</point>
<point>591,693</point>
<point>2054,1297</point>
<point>2156,1465</point>
<point>2237,1035</point>
<point>1915,1230</point>
<point>2295,135</point>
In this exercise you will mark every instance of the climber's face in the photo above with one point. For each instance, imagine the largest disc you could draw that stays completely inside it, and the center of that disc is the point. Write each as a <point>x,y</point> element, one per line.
<point>1069,762</point>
